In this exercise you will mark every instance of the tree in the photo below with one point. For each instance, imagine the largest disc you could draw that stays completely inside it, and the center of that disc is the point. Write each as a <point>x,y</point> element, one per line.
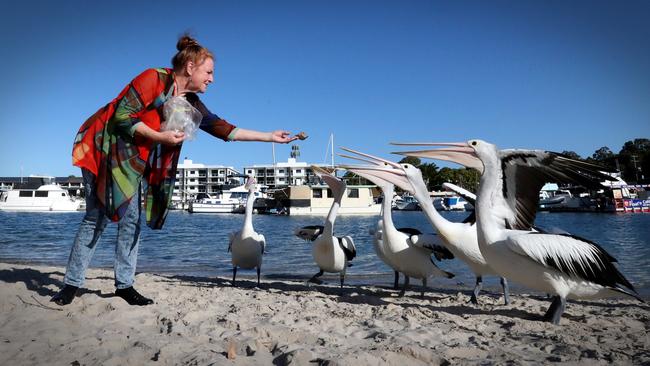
<point>571,155</point>
<point>469,179</point>
<point>633,160</point>
<point>602,154</point>
<point>605,158</point>
<point>636,146</point>
<point>429,172</point>
<point>444,175</point>
<point>415,161</point>
<point>354,179</point>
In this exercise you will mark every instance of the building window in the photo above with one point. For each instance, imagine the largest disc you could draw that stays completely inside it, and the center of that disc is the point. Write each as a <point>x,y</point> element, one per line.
<point>353,193</point>
<point>281,171</point>
<point>298,171</point>
<point>192,180</point>
<point>317,193</point>
<point>192,171</point>
<point>329,193</point>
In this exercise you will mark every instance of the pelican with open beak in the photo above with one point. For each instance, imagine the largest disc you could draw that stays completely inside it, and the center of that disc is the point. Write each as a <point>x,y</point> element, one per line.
<point>560,264</point>
<point>460,238</point>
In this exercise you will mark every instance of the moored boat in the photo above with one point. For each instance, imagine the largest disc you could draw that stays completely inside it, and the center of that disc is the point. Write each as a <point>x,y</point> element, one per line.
<point>227,201</point>
<point>46,198</point>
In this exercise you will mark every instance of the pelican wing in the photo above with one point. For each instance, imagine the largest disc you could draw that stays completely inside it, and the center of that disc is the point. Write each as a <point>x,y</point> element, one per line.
<point>471,219</point>
<point>467,195</point>
<point>526,171</point>
<point>262,242</point>
<point>347,244</point>
<point>573,256</point>
<point>434,244</point>
<point>309,232</point>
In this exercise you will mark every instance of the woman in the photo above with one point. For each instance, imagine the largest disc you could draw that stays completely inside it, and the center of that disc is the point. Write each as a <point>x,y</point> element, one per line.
<point>121,144</point>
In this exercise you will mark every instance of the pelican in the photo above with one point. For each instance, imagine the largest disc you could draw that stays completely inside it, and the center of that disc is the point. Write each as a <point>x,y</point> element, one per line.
<point>377,234</point>
<point>428,241</point>
<point>563,265</point>
<point>459,238</point>
<point>246,245</point>
<point>411,258</point>
<point>385,225</point>
<point>330,253</point>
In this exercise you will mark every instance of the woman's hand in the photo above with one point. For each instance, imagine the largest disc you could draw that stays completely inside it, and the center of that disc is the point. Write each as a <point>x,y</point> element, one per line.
<point>171,138</point>
<point>282,137</point>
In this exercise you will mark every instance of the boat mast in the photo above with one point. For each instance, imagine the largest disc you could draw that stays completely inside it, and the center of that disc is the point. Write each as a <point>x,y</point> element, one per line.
<point>332,140</point>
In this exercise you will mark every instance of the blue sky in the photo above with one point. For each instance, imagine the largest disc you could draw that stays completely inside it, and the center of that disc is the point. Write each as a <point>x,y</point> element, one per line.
<point>556,75</point>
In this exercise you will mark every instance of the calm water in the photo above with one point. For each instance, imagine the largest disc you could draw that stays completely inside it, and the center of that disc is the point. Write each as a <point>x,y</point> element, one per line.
<point>196,244</point>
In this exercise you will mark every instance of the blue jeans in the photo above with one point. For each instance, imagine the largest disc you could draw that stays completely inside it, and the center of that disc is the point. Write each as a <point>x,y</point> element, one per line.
<point>91,228</point>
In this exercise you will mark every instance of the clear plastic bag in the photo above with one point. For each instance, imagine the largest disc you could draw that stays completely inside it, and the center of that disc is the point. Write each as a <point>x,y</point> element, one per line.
<point>181,116</point>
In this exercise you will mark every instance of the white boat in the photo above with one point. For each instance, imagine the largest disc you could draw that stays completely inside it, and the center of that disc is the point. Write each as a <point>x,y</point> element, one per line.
<point>227,201</point>
<point>211,204</point>
<point>407,203</point>
<point>46,198</point>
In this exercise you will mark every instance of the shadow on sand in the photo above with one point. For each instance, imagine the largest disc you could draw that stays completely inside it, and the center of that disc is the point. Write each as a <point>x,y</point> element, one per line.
<point>40,283</point>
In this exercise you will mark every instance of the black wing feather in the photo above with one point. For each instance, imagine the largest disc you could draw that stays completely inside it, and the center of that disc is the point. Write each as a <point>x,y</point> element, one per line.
<point>526,171</point>
<point>409,231</point>
<point>603,273</point>
<point>349,253</point>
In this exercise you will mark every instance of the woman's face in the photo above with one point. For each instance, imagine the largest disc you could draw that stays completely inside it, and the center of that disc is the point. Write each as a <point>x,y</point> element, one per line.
<point>202,75</point>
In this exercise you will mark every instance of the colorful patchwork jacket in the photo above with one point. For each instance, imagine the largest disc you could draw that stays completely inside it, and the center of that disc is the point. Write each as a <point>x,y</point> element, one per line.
<point>107,146</point>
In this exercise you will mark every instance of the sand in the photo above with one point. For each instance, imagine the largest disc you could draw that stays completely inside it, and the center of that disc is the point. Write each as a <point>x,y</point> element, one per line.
<point>206,321</point>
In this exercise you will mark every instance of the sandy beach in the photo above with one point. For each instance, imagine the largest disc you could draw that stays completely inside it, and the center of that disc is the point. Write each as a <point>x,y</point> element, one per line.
<point>206,321</point>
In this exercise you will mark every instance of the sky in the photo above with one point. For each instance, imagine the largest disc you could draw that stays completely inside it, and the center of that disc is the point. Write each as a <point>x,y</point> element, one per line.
<point>553,74</point>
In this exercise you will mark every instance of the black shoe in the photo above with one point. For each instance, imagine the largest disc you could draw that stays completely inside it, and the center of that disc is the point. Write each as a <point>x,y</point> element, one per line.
<point>132,296</point>
<point>65,296</point>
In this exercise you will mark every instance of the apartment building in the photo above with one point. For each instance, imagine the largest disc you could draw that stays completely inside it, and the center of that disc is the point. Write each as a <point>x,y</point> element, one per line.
<point>194,178</point>
<point>289,173</point>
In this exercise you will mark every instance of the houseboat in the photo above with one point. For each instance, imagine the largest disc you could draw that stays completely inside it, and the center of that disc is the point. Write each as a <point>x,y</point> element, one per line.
<point>46,198</point>
<point>317,200</point>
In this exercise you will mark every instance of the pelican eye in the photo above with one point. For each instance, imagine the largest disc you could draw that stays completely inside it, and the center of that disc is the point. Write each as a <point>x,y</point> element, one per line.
<point>474,143</point>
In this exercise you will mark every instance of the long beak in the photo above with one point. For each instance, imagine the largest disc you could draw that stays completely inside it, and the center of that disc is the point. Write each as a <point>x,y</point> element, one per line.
<point>320,171</point>
<point>371,176</point>
<point>370,158</point>
<point>329,178</point>
<point>379,175</point>
<point>457,152</point>
<point>382,169</point>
